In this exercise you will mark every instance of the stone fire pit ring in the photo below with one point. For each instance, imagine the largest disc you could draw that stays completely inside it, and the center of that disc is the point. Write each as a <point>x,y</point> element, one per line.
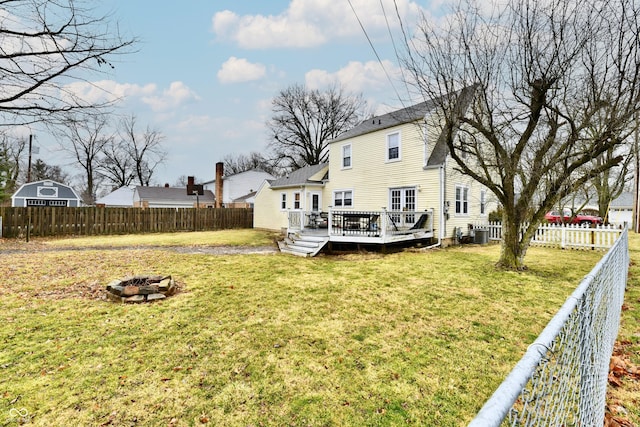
<point>140,289</point>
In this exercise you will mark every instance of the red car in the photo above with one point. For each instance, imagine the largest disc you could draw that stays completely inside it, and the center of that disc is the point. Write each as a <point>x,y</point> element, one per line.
<point>555,217</point>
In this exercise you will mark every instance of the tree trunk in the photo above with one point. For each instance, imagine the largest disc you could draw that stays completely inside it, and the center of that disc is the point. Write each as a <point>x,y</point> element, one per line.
<point>513,250</point>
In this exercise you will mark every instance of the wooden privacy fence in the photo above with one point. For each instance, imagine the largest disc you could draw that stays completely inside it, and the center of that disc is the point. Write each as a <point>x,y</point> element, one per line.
<point>88,221</point>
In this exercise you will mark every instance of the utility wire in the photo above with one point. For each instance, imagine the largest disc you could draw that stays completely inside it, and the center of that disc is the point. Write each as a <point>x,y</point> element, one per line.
<point>374,50</point>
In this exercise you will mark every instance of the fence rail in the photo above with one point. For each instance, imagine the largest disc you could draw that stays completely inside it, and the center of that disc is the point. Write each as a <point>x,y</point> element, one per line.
<point>562,378</point>
<point>565,236</point>
<point>56,221</point>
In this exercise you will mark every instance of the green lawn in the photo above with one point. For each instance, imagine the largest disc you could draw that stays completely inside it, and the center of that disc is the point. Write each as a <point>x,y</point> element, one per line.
<point>412,338</point>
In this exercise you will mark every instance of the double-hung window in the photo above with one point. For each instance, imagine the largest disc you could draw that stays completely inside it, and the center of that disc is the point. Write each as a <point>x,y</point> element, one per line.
<point>283,201</point>
<point>296,200</point>
<point>393,147</point>
<point>462,200</point>
<point>343,199</point>
<point>346,156</point>
<point>483,202</point>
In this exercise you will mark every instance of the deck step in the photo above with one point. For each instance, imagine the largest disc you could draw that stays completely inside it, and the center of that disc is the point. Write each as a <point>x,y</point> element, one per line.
<point>302,245</point>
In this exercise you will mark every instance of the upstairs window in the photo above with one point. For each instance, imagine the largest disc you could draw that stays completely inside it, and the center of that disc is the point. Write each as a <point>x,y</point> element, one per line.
<point>346,156</point>
<point>462,200</point>
<point>393,146</point>
<point>483,202</point>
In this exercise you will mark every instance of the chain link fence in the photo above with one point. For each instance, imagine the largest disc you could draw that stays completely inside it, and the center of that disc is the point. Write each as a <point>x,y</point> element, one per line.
<point>562,378</point>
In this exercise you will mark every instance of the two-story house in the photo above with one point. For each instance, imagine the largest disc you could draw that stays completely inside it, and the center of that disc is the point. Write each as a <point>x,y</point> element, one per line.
<point>388,180</point>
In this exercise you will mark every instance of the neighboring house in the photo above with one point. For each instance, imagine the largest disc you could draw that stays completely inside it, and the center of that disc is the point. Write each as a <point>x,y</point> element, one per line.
<point>170,197</point>
<point>389,179</point>
<point>45,193</point>
<point>246,201</point>
<point>621,210</point>
<point>238,188</point>
<point>120,198</point>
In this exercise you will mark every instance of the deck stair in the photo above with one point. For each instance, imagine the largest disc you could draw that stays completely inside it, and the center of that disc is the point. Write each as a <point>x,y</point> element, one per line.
<point>303,245</point>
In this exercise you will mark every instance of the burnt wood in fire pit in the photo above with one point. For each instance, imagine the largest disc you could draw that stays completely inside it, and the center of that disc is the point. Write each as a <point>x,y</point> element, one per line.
<point>139,289</point>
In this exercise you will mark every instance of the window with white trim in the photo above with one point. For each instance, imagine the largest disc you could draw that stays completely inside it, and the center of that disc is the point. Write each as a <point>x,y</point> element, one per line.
<point>346,156</point>
<point>296,200</point>
<point>483,202</point>
<point>283,201</point>
<point>462,200</point>
<point>343,199</point>
<point>393,147</point>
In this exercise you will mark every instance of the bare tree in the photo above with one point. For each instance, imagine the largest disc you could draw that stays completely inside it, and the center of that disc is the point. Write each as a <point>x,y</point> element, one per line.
<point>143,148</point>
<point>84,138</point>
<point>304,121</point>
<point>183,180</point>
<point>45,46</point>
<point>12,152</point>
<point>611,183</point>
<point>246,162</point>
<point>117,165</point>
<point>540,74</point>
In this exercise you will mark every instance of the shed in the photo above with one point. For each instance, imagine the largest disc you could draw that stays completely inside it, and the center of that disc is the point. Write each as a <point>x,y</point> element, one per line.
<point>45,193</point>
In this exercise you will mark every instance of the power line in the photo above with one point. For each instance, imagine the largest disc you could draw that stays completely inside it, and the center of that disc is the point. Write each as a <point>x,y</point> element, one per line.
<point>374,50</point>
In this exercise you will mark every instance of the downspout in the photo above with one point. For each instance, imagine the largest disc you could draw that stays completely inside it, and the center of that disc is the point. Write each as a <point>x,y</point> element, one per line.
<point>441,219</point>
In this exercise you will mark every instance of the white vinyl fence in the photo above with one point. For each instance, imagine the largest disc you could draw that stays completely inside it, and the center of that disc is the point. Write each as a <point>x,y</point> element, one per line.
<point>562,378</point>
<point>565,236</point>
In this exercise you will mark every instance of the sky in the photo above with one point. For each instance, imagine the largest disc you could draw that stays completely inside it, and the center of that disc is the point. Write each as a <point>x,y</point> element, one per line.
<point>205,71</point>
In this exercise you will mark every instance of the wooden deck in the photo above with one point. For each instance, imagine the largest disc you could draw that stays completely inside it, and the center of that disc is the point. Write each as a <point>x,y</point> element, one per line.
<point>364,227</point>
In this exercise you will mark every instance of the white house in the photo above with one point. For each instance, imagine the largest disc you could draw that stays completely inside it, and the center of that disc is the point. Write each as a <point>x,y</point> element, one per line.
<point>621,210</point>
<point>237,189</point>
<point>45,193</point>
<point>170,197</point>
<point>388,180</point>
<point>120,198</point>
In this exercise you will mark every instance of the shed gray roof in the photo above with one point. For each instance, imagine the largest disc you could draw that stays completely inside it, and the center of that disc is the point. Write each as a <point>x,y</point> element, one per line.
<point>299,177</point>
<point>30,190</point>
<point>175,194</point>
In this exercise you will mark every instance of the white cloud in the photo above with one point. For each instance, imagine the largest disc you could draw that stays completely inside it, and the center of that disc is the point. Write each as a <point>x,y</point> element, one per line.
<point>105,91</point>
<point>308,23</point>
<point>176,95</point>
<point>236,70</point>
<point>356,76</point>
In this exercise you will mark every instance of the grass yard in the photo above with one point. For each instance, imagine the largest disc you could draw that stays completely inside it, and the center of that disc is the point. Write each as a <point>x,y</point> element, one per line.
<point>412,338</point>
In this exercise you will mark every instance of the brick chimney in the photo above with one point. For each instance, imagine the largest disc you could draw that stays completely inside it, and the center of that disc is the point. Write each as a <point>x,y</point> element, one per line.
<point>219,187</point>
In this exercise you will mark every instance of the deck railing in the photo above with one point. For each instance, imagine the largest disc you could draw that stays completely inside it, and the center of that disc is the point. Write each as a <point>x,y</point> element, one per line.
<point>361,223</point>
<point>378,223</point>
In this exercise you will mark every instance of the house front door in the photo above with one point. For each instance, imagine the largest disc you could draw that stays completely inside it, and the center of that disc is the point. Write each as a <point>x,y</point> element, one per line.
<point>316,201</point>
<point>402,200</point>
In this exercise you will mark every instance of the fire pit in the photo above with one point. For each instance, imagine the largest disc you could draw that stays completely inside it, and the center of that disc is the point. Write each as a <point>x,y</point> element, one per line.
<point>139,289</point>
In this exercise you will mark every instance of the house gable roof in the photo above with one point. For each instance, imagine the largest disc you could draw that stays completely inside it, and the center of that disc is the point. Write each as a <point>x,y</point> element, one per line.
<point>408,115</point>
<point>625,200</point>
<point>312,174</point>
<point>123,196</point>
<point>254,171</point>
<point>395,118</point>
